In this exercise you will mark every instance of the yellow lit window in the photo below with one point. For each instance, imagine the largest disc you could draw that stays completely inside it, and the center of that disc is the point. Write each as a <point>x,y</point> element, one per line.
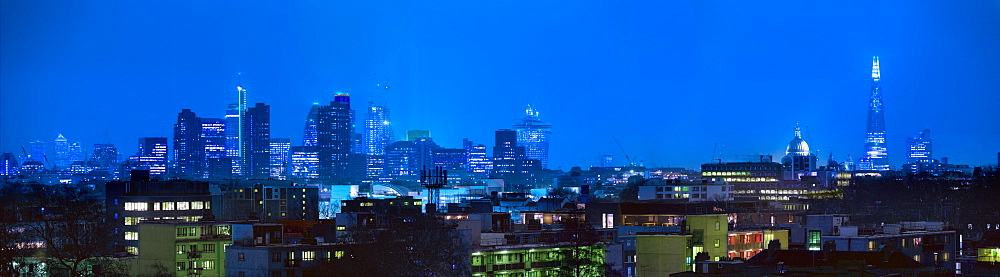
<point>131,220</point>
<point>131,235</point>
<point>308,255</point>
<point>197,205</point>
<point>183,206</point>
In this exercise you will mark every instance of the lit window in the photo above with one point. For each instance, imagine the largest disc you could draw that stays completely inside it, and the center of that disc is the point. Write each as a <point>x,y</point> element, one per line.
<point>208,265</point>
<point>339,254</point>
<point>132,250</point>
<point>136,206</point>
<point>183,206</point>
<point>308,255</point>
<point>131,235</point>
<point>168,206</point>
<point>197,205</point>
<point>131,220</point>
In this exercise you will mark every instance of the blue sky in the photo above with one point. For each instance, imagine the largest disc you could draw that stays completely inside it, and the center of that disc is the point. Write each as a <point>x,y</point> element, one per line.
<point>669,79</point>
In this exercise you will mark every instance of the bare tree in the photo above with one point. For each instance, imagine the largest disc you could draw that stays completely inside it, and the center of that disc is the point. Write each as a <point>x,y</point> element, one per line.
<point>427,246</point>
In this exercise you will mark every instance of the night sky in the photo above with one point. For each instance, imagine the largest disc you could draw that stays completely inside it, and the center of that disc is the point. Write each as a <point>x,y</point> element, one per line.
<point>669,79</point>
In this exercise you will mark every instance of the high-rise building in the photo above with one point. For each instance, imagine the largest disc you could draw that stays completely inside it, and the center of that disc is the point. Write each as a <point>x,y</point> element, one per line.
<point>919,148</point>
<point>152,156</point>
<point>189,151</point>
<point>305,162</point>
<point>511,163</point>
<point>36,151</point>
<point>255,141</point>
<point>405,159</point>
<point>233,138</point>
<point>218,165</point>
<point>450,159</point>
<point>876,152</point>
<point>378,130</point>
<point>8,164</point>
<point>334,134</point>
<point>533,134</point>
<point>477,160</point>
<point>281,156</point>
<point>75,152</point>
<point>106,155</point>
<point>62,152</point>
<point>310,136</point>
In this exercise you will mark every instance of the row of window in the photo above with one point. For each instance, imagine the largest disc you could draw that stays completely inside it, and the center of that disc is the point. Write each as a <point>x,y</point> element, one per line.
<point>205,248</point>
<point>196,265</point>
<point>135,220</point>
<point>168,206</point>
<point>293,255</point>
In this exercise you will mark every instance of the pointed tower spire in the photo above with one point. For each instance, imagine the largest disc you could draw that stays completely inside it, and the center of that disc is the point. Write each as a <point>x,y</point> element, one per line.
<point>875,72</point>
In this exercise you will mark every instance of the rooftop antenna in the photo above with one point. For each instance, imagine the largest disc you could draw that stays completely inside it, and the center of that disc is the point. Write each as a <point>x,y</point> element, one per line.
<point>433,180</point>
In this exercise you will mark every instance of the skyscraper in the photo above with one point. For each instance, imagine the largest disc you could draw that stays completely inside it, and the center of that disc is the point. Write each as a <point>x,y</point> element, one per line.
<point>919,148</point>
<point>75,152</point>
<point>106,156</point>
<point>36,151</point>
<point>255,139</point>
<point>876,155</point>
<point>152,155</point>
<point>477,160</point>
<point>189,151</point>
<point>334,131</point>
<point>377,136</point>
<point>281,156</point>
<point>533,135</point>
<point>62,152</point>
<point>218,164</point>
<point>309,136</point>
<point>405,159</point>
<point>233,137</point>
<point>510,162</point>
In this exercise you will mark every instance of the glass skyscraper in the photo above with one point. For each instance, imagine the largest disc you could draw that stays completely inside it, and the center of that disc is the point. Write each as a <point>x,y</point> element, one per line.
<point>233,137</point>
<point>876,155</point>
<point>533,134</point>
<point>255,140</point>
<point>213,138</point>
<point>281,155</point>
<point>334,135</point>
<point>378,135</point>
<point>189,153</point>
<point>62,152</point>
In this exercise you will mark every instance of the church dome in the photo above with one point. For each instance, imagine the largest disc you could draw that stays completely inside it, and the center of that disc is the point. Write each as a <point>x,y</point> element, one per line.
<point>797,145</point>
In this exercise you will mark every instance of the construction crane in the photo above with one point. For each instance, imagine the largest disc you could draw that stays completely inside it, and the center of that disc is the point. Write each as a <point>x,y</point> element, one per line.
<point>630,159</point>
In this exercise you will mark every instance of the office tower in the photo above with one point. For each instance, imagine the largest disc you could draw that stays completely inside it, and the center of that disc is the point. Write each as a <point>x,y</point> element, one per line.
<point>413,135</point>
<point>189,151</point>
<point>8,164</point>
<point>919,148</point>
<point>152,156</point>
<point>334,130</point>
<point>378,130</point>
<point>36,151</point>
<point>533,135</point>
<point>281,155</point>
<point>450,159</point>
<point>798,159</point>
<point>477,160</point>
<point>62,152</point>
<point>255,139</point>
<point>510,162</point>
<point>919,157</point>
<point>405,159</point>
<point>310,136</point>
<point>106,155</point>
<point>305,162</point>
<point>233,137</point>
<point>876,155</point>
<point>75,152</point>
<point>218,165</point>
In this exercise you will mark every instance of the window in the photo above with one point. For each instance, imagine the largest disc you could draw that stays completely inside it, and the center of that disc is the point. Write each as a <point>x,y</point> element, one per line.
<point>183,206</point>
<point>208,265</point>
<point>197,205</point>
<point>136,206</point>
<point>717,243</point>
<point>168,206</point>
<point>308,255</point>
<point>339,254</point>
<point>208,205</point>
<point>208,248</point>
<point>132,250</point>
<point>156,206</point>
<point>182,248</point>
<point>916,257</point>
<point>131,220</point>
<point>241,257</point>
<point>180,266</point>
<point>276,257</point>
<point>131,235</point>
<point>871,245</point>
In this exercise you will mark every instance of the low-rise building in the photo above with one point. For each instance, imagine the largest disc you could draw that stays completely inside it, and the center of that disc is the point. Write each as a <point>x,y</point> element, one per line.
<point>183,248</point>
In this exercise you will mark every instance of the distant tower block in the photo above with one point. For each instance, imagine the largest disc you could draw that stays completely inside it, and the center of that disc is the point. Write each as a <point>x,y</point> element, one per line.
<point>876,156</point>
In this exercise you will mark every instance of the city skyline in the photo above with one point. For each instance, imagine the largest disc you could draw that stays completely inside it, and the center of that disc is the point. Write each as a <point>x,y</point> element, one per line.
<point>930,82</point>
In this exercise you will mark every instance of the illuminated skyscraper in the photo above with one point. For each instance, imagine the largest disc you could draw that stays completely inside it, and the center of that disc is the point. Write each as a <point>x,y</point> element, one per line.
<point>510,161</point>
<point>281,155</point>
<point>378,135</point>
<point>310,135</point>
<point>75,152</point>
<point>334,134</point>
<point>405,159</point>
<point>36,151</point>
<point>62,152</point>
<point>255,139</point>
<point>919,148</point>
<point>152,155</point>
<point>189,151</point>
<point>305,162</point>
<point>533,134</point>
<point>233,137</point>
<point>478,162</point>
<point>876,155</point>
<point>218,164</point>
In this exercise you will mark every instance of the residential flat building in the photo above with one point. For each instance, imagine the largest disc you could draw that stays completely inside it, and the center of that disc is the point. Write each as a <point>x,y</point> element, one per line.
<point>140,199</point>
<point>184,248</point>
